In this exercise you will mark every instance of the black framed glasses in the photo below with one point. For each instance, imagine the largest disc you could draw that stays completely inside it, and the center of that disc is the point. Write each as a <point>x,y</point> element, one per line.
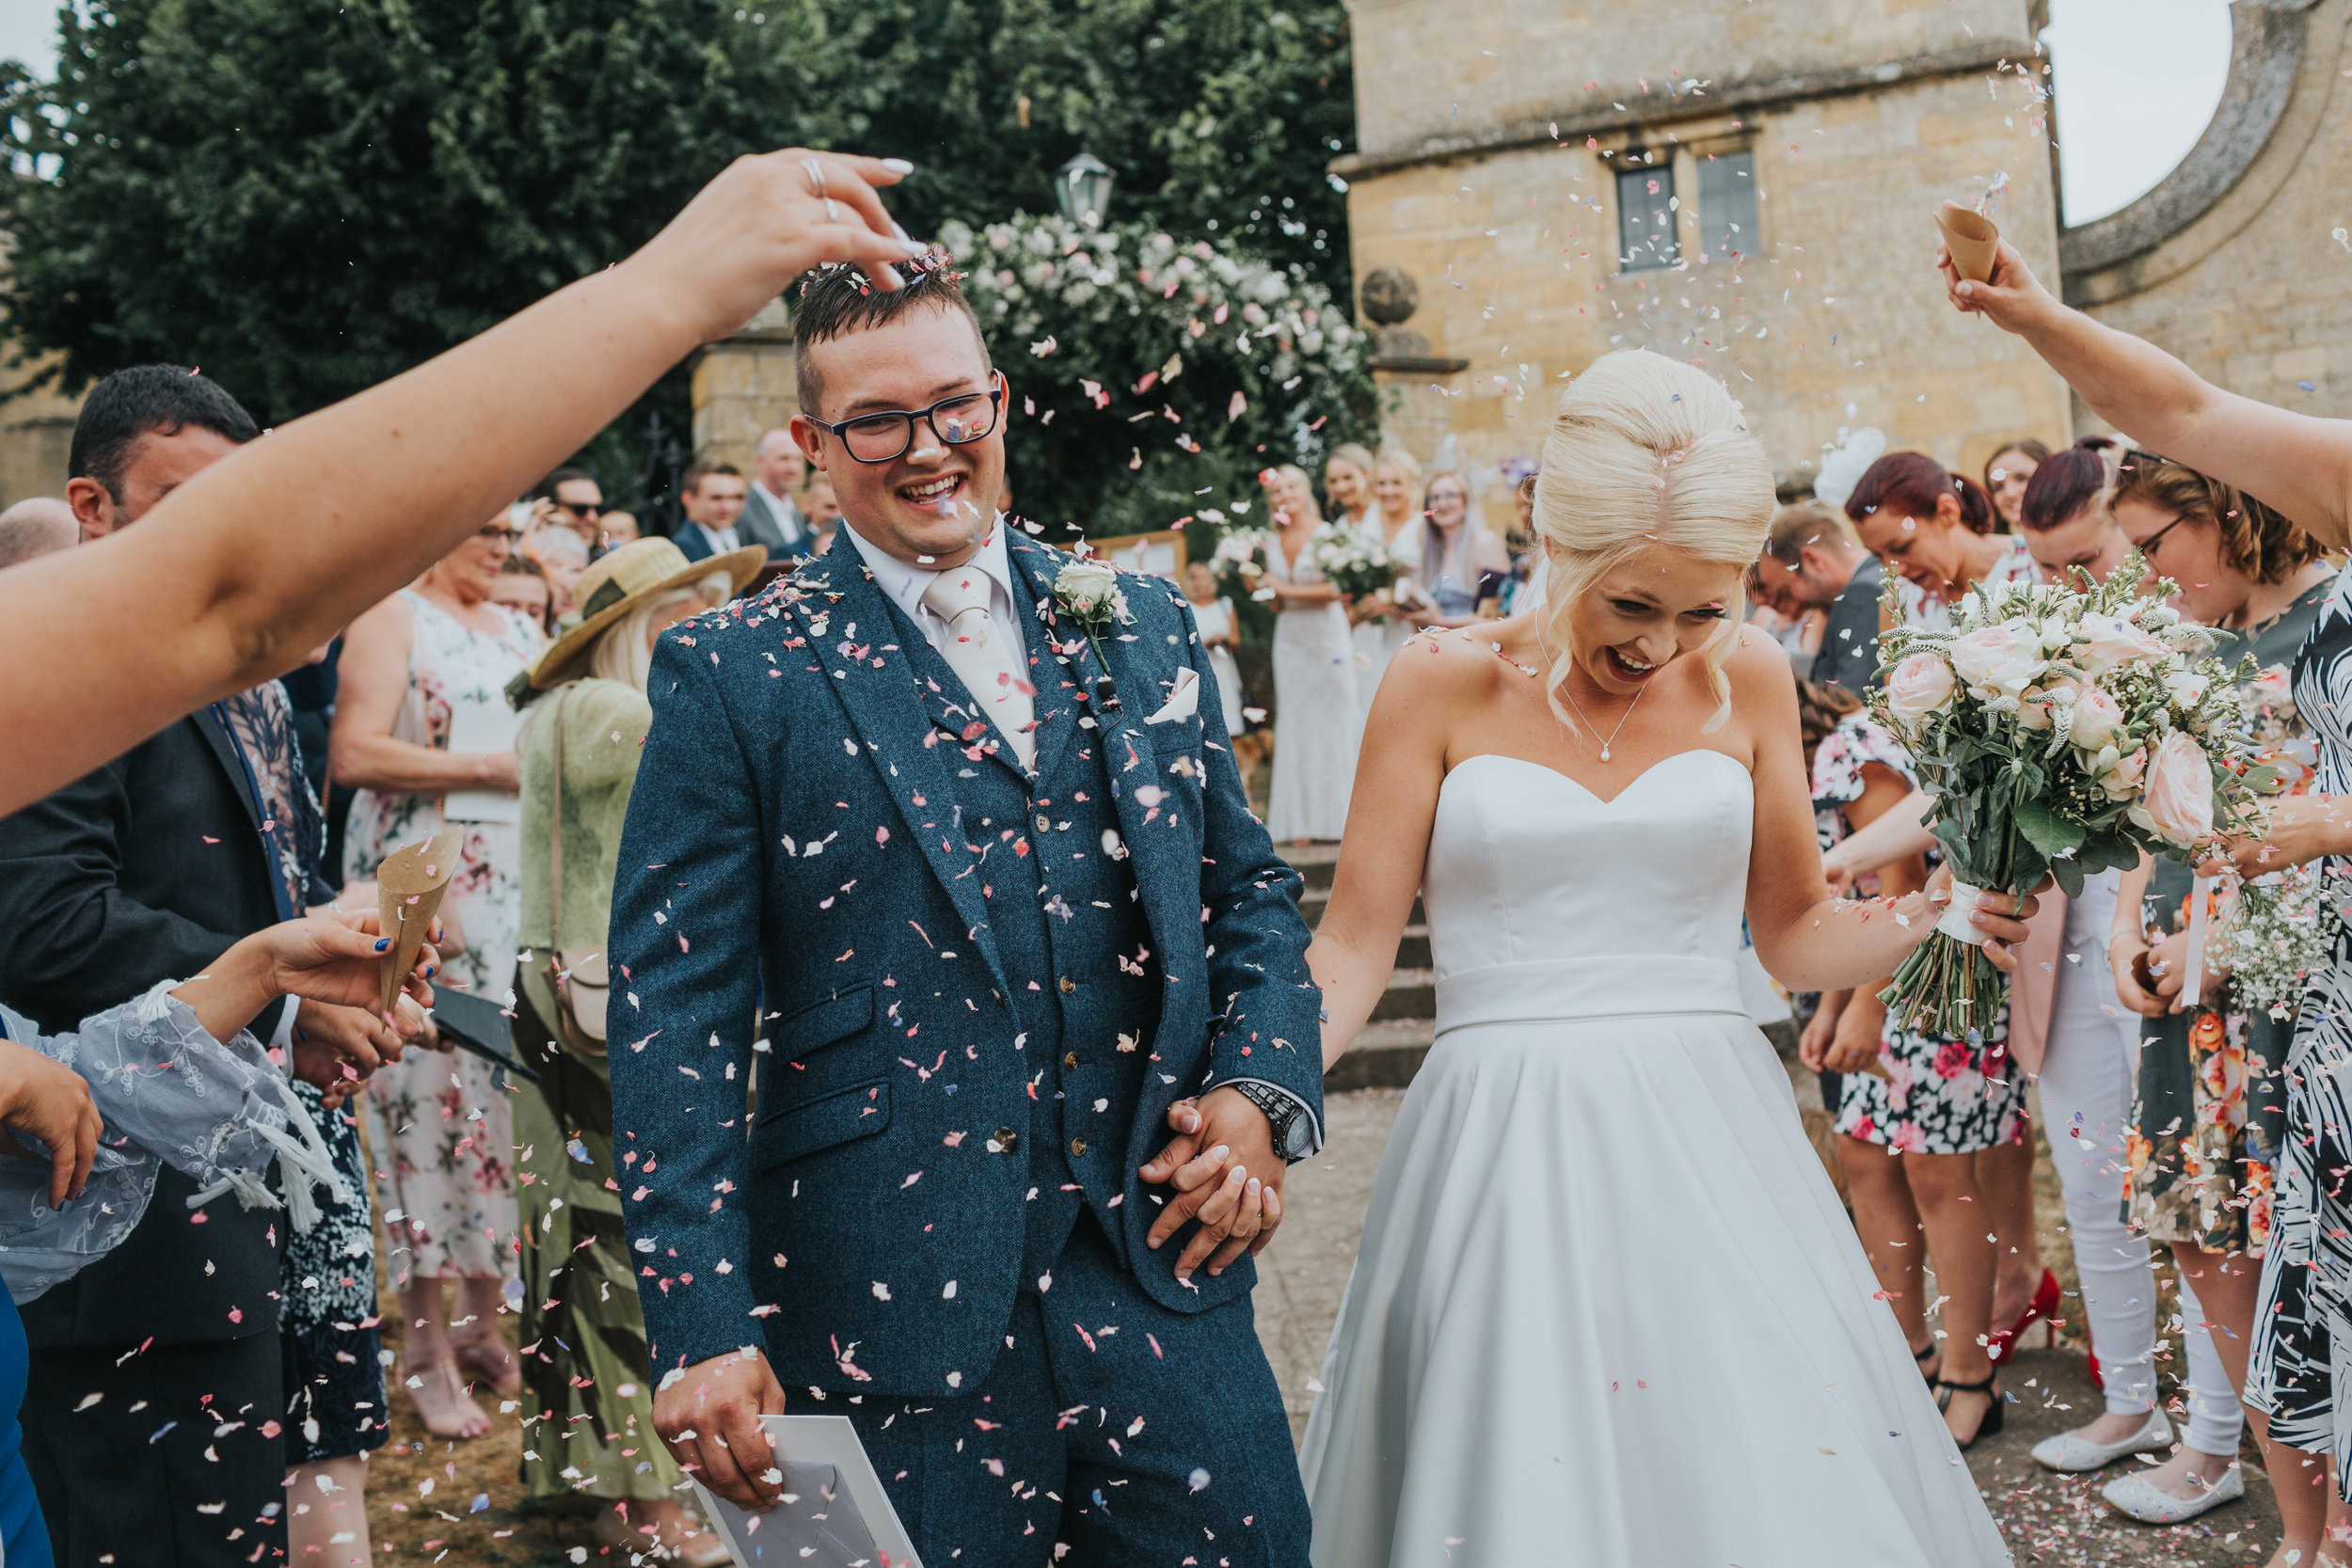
<point>885,437</point>
<point>2147,547</point>
<point>582,509</point>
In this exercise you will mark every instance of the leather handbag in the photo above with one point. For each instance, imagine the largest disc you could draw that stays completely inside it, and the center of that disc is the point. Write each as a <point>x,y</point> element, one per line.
<point>578,976</point>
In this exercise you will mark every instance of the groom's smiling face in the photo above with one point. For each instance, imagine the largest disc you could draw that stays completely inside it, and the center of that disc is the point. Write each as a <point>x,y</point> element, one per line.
<point>934,503</point>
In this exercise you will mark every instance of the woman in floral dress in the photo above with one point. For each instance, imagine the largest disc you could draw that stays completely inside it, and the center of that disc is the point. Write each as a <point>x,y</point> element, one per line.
<point>438,1124</point>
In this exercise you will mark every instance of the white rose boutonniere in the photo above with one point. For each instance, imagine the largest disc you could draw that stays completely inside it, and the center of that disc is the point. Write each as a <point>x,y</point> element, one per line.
<point>1087,592</point>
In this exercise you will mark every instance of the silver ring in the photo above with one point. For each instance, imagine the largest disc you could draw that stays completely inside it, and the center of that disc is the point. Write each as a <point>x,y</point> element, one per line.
<point>832,210</point>
<point>815,172</point>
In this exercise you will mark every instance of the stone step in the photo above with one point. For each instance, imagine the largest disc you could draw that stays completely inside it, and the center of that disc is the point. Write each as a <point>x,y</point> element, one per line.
<point>1385,1056</point>
<point>1315,862</point>
<point>1312,902</point>
<point>1412,950</point>
<point>1411,993</point>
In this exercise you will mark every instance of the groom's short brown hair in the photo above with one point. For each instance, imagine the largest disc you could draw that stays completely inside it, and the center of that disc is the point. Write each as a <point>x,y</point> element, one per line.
<point>837,300</point>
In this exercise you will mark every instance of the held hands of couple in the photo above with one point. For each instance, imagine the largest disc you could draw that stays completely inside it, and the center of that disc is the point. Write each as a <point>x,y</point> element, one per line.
<point>1226,1175</point>
<point>709,1414</point>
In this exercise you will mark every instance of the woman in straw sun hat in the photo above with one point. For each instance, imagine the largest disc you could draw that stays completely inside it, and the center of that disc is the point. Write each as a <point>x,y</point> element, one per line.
<point>587,1387</point>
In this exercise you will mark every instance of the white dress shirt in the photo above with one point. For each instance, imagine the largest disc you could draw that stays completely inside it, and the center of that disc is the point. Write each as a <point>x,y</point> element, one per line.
<point>905,585</point>
<point>721,540</point>
<point>788,520</point>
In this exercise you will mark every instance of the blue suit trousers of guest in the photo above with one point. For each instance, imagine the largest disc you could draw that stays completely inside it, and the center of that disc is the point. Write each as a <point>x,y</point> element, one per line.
<point>1110,1426</point>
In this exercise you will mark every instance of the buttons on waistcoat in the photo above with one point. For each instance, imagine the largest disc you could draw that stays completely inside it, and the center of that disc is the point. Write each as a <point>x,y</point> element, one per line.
<point>1069,1060</point>
<point>1068,985</point>
<point>1045,823</point>
<point>1005,1140</point>
<point>1077,1146</point>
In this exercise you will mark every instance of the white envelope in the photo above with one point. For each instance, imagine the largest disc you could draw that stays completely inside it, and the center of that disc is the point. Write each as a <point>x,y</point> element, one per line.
<point>1182,703</point>
<point>857,1517</point>
<point>475,726</point>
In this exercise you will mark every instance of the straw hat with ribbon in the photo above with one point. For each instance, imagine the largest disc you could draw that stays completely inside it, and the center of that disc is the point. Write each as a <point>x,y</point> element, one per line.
<point>620,580</point>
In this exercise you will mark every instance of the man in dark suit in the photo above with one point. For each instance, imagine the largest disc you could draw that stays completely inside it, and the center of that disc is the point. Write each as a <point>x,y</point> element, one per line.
<point>771,514</point>
<point>711,495</point>
<point>984,860</point>
<point>1811,563</point>
<point>152,1415</point>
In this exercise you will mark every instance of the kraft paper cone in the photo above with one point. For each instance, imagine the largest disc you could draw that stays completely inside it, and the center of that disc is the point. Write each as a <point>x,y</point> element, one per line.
<point>408,889</point>
<point>1972,240</point>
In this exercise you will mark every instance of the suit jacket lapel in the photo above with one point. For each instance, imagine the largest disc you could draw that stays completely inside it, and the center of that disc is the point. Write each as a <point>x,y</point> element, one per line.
<point>1059,677</point>
<point>892,713</point>
<point>225,752</point>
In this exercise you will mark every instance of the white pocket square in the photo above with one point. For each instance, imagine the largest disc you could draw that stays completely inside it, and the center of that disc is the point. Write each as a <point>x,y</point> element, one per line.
<point>1182,703</point>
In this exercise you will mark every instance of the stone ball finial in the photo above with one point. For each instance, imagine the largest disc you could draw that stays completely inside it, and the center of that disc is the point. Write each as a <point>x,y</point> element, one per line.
<point>1390,295</point>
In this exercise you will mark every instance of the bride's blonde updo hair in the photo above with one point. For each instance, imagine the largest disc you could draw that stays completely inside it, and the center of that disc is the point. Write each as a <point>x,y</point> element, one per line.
<point>1647,450</point>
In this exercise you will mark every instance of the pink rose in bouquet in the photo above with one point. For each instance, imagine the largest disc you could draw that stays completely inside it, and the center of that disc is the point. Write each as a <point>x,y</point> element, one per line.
<point>2097,717</point>
<point>1919,686</point>
<point>2179,794</point>
<point>2004,659</point>
<point>2114,640</point>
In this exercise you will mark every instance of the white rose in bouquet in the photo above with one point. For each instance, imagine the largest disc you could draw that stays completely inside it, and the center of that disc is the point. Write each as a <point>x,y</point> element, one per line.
<point>1919,686</point>
<point>2001,660</point>
<point>2186,688</point>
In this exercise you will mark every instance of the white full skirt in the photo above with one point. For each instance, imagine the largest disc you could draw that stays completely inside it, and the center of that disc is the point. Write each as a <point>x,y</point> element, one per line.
<point>1608,1312</point>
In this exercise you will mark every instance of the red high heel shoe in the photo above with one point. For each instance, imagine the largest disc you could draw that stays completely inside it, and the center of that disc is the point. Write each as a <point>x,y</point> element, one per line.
<point>2045,1301</point>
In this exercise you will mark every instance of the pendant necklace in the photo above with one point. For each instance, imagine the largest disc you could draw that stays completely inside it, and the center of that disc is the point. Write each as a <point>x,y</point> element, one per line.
<point>1580,706</point>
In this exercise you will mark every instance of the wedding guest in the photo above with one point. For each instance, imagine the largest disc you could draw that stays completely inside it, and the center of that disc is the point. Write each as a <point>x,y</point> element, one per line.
<point>1462,562</point>
<point>588,1386</point>
<point>1810,562</point>
<point>2065,517</point>
<point>1392,520</point>
<point>523,586</point>
<point>1347,486</point>
<point>1316,721</point>
<point>712,496</point>
<point>1219,626</point>
<point>620,527</point>
<point>2210,1113</point>
<point>428,664</point>
<point>823,513</point>
<point>772,517</point>
<point>35,526</point>
<point>1935,530</point>
<point>1859,772</point>
<point>559,556</point>
<point>577,501</point>
<point>2006,474</point>
<point>149,869</point>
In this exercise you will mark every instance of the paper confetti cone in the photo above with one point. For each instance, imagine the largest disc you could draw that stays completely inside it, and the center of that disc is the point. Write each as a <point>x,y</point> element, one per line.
<point>1972,240</point>
<point>408,889</point>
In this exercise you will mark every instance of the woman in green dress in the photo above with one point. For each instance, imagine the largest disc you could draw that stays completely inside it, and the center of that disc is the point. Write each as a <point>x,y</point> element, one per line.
<point>589,1442</point>
<point>2211,1103</point>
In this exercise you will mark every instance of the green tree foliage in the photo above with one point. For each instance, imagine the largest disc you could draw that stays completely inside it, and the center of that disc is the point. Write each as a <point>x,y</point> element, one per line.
<point>306,196</point>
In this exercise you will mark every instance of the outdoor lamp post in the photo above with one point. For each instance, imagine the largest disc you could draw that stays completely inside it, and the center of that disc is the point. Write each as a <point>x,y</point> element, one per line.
<point>1083,186</point>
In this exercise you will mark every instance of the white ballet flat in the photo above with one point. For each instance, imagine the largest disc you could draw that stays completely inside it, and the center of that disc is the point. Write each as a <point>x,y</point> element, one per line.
<point>2137,1497</point>
<point>2073,1455</point>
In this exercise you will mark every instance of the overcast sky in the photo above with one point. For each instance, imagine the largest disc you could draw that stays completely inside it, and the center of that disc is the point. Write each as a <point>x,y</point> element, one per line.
<point>2138,81</point>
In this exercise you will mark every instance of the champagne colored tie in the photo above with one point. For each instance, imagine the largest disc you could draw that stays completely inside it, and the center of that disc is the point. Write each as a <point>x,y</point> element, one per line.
<point>960,597</point>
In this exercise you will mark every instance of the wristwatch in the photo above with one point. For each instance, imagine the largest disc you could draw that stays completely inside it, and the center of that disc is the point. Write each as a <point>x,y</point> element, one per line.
<point>1284,1114</point>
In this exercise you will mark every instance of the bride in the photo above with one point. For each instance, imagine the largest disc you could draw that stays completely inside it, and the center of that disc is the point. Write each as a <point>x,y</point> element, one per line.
<point>1608,1310</point>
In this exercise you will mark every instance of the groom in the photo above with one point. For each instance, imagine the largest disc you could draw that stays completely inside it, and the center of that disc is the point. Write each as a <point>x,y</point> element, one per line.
<point>966,878</point>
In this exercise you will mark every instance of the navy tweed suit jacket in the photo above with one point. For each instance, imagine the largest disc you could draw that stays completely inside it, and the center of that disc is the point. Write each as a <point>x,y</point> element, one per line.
<point>796,831</point>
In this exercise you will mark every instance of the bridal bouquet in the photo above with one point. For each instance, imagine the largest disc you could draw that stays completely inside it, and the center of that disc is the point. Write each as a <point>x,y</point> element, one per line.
<point>1353,565</point>
<point>2062,731</point>
<point>1242,554</point>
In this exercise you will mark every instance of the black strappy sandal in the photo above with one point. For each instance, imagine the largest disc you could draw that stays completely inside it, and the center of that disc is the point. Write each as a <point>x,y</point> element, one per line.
<point>1991,1425</point>
<point>1933,1353</point>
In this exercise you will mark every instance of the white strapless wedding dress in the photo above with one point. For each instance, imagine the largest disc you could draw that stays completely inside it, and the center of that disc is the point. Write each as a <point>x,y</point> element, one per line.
<point>1608,1310</point>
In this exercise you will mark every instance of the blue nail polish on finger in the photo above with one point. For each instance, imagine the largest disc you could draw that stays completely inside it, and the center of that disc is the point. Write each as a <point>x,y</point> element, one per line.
<point>383,943</point>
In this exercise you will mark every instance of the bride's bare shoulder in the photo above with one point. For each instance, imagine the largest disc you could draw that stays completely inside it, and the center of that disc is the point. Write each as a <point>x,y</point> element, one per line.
<point>1451,664</point>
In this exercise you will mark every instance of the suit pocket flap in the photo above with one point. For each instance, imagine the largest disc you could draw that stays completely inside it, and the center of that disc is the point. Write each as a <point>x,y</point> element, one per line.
<point>859,1111</point>
<point>820,1023</point>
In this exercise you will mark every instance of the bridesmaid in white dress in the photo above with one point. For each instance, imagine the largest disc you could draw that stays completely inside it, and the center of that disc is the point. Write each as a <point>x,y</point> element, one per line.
<point>1316,713</point>
<point>1608,1310</point>
<point>1394,519</point>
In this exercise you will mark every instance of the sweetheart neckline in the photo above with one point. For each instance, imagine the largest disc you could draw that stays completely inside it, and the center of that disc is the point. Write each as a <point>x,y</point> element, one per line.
<point>1604,803</point>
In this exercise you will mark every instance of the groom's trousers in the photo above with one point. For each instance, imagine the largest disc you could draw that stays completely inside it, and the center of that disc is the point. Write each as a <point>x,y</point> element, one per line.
<point>1110,1432</point>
